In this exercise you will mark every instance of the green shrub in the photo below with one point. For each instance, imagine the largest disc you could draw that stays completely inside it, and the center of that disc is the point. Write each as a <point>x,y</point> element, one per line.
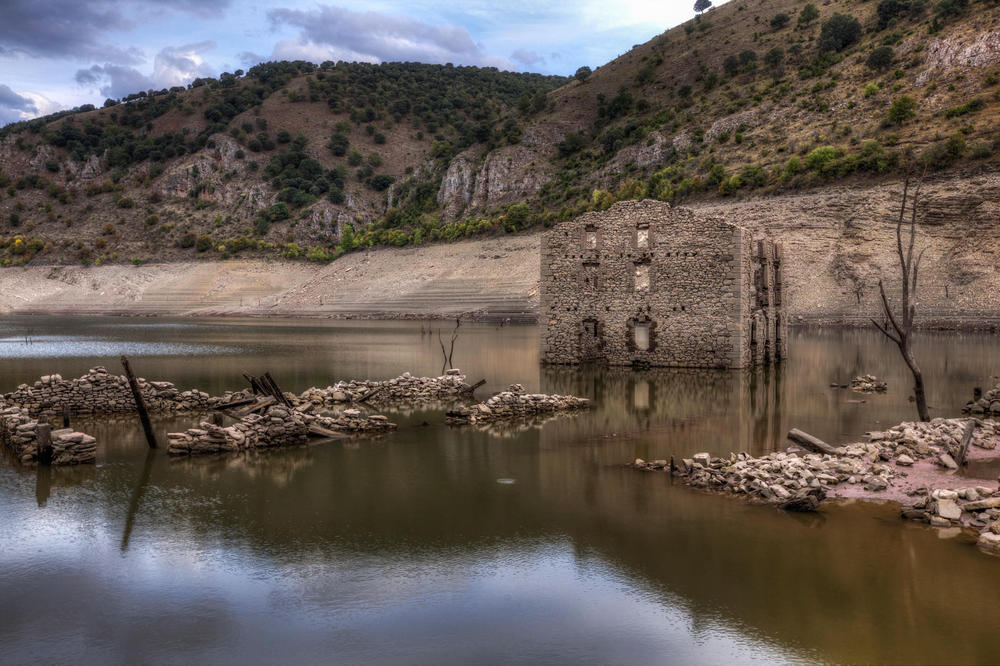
<point>902,109</point>
<point>203,243</point>
<point>971,106</point>
<point>880,59</point>
<point>187,240</point>
<point>753,176</point>
<point>779,21</point>
<point>818,158</point>
<point>838,32</point>
<point>278,212</point>
<point>319,254</point>
<point>808,14</point>
<point>871,89</point>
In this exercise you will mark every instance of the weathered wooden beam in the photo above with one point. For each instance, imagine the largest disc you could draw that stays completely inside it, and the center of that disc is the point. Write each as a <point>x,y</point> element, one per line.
<point>371,394</point>
<point>807,441</point>
<point>970,427</point>
<point>472,389</point>
<point>43,444</point>
<point>277,392</point>
<point>320,431</point>
<point>140,403</point>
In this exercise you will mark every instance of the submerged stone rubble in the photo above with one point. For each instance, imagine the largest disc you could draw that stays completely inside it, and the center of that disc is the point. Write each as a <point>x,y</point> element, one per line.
<point>99,392</point>
<point>278,426</point>
<point>514,403</point>
<point>988,404</point>
<point>19,432</point>
<point>868,384</point>
<point>908,460</point>
<point>451,385</point>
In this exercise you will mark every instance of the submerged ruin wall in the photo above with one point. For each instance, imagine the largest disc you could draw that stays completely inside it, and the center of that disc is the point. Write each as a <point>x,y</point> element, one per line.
<point>643,283</point>
<point>99,392</point>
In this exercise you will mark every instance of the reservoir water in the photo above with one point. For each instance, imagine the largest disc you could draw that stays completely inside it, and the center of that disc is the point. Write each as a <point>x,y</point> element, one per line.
<point>524,542</point>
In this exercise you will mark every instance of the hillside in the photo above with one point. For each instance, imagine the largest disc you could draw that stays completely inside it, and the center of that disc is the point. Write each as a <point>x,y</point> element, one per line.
<point>306,162</point>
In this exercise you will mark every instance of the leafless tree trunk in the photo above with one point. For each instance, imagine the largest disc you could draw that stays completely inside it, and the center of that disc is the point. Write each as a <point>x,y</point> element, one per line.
<point>451,351</point>
<point>899,328</point>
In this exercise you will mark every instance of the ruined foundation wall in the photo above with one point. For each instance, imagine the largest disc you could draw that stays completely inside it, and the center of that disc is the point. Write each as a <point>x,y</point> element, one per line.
<point>688,280</point>
<point>99,392</point>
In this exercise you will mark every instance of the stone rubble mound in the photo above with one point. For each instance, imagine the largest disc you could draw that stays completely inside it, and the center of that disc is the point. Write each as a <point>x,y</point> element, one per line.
<point>278,426</point>
<point>868,384</point>
<point>971,507</point>
<point>987,405</point>
<point>514,403</point>
<point>19,432</point>
<point>99,392</point>
<point>449,386</point>
<point>802,481</point>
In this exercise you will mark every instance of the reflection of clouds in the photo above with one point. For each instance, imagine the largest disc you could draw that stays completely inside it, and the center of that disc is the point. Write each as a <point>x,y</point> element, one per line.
<point>59,347</point>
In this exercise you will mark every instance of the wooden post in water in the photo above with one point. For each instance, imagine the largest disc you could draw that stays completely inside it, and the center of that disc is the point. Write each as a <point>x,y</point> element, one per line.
<point>970,427</point>
<point>65,416</point>
<point>140,404</point>
<point>43,444</point>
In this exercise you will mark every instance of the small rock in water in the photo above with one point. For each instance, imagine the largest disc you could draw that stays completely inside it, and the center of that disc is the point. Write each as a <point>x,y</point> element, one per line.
<point>948,509</point>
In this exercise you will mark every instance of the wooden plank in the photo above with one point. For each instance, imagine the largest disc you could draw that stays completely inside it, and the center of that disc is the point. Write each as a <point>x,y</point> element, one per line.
<point>807,441</point>
<point>320,431</point>
<point>278,393</point>
<point>970,427</point>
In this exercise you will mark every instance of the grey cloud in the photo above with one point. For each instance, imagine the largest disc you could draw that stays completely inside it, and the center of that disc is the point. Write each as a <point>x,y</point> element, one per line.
<point>249,58</point>
<point>526,57</point>
<point>173,66</point>
<point>12,105</point>
<point>117,80</point>
<point>79,28</point>
<point>375,36</point>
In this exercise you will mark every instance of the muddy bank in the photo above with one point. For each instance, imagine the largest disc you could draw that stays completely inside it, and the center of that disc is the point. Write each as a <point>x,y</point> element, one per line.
<point>913,464</point>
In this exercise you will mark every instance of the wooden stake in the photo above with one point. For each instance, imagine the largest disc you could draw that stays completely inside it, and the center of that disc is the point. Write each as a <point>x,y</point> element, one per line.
<point>970,427</point>
<point>278,393</point>
<point>43,443</point>
<point>140,404</point>
<point>65,416</point>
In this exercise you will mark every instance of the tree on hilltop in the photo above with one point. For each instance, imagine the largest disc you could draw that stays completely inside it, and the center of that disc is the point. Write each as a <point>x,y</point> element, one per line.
<point>582,73</point>
<point>701,5</point>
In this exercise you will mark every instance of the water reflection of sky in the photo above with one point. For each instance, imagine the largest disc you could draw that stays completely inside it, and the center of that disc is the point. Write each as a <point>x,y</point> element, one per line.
<point>72,347</point>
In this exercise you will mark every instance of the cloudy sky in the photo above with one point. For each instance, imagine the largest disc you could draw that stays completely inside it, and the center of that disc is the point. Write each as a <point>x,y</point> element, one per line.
<point>58,54</point>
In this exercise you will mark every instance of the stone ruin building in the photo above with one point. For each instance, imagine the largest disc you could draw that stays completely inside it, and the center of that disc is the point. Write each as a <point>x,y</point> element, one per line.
<point>646,284</point>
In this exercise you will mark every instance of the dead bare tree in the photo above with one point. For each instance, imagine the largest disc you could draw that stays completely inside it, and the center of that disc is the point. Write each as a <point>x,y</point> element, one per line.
<point>899,328</point>
<point>451,351</point>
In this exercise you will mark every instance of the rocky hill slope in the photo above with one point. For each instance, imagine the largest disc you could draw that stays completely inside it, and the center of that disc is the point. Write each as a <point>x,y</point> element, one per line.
<point>743,110</point>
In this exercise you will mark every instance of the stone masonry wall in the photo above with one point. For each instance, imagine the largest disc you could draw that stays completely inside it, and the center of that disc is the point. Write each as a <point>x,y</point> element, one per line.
<point>99,392</point>
<point>19,432</point>
<point>692,283</point>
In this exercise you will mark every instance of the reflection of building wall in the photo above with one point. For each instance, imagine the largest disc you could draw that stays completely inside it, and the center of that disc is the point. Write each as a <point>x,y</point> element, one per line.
<point>646,284</point>
<point>695,409</point>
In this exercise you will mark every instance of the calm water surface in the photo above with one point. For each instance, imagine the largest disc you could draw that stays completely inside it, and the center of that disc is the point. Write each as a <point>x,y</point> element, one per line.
<point>523,542</point>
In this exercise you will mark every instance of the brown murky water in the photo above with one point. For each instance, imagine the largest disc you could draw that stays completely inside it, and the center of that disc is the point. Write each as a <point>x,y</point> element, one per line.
<point>519,543</point>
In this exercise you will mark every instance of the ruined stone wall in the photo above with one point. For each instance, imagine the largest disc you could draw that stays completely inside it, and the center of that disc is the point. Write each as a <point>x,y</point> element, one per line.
<point>19,432</point>
<point>686,280</point>
<point>99,392</point>
<point>514,403</point>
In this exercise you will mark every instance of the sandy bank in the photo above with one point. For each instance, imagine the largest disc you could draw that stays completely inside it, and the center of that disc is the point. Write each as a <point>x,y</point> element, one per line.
<point>491,278</point>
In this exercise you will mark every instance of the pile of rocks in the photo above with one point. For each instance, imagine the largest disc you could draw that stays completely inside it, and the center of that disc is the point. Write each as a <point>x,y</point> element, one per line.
<point>938,438</point>
<point>278,426</point>
<point>99,392</point>
<point>449,386</point>
<point>868,384</point>
<point>793,482</point>
<point>19,432</point>
<point>514,403</point>
<point>977,508</point>
<point>988,404</point>
<point>864,469</point>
